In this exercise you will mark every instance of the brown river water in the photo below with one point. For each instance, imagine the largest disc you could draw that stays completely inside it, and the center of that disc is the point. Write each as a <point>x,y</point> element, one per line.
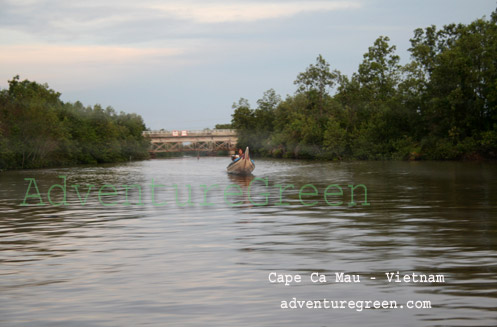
<point>185,244</point>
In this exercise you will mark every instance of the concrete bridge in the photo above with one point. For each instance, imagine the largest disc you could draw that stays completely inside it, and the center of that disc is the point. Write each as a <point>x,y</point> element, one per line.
<point>198,141</point>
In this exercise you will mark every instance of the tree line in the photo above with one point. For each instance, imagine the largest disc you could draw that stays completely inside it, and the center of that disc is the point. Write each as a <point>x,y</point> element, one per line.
<point>441,105</point>
<point>37,129</point>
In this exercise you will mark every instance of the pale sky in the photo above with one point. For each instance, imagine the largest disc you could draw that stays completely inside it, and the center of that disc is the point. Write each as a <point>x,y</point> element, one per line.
<point>182,64</point>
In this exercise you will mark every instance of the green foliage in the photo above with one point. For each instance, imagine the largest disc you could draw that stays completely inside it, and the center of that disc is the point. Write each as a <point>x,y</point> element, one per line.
<point>316,81</point>
<point>335,139</point>
<point>441,105</point>
<point>223,126</point>
<point>37,130</point>
<point>255,126</point>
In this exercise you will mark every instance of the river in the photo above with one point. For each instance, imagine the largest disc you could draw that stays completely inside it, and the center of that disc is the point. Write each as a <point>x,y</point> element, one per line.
<point>211,250</point>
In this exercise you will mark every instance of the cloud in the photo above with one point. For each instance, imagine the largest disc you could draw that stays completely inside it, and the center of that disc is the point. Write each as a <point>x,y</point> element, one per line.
<point>221,12</point>
<point>125,21</point>
<point>63,54</point>
<point>78,67</point>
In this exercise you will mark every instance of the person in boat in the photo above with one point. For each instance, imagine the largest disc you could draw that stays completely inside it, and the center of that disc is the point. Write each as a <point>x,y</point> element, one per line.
<point>240,154</point>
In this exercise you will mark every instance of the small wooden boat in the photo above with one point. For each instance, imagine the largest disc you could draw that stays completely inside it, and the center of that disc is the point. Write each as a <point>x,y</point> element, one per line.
<point>242,166</point>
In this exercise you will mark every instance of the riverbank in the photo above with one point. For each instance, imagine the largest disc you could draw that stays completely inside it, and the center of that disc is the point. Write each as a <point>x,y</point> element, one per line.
<point>38,130</point>
<point>439,106</point>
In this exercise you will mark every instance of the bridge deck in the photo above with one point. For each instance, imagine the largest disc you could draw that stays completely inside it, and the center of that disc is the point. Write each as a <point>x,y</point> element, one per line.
<point>181,141</point>
<point>210,132</point>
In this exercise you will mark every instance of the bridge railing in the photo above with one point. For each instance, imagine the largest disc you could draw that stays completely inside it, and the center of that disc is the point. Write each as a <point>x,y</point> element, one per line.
<point>179,133</point>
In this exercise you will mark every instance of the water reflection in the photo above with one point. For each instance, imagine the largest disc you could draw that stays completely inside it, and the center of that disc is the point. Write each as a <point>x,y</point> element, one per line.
<point>242,180</point>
